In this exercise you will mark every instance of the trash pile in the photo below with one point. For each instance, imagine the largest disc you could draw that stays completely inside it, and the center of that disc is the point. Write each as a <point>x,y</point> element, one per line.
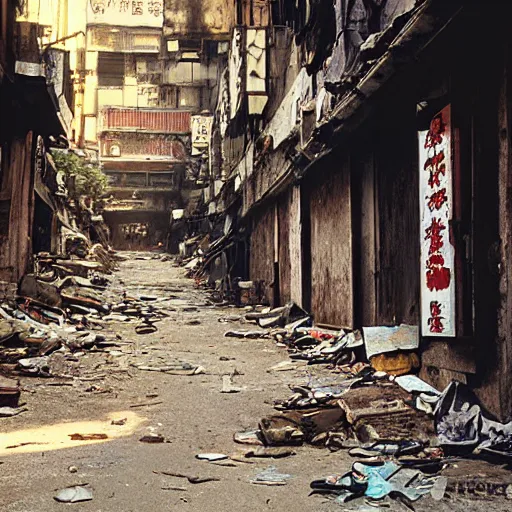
<point>403,432</point>
<point>377,482</point>
<point>60,311</point>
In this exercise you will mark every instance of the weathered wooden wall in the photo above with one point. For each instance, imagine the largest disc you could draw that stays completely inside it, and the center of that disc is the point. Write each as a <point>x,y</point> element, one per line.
<point>261,261</point>
<point>491,217</point>
<point>295,245</point>
<point>505,227</point>
<point>365,235</point>
<point>398,220</point>
<point>17,186</point>
<point>331,244</point>
<point>284,256</point>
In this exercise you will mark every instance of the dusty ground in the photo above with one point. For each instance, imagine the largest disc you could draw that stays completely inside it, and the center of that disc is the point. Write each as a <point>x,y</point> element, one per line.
<point>193,415</point>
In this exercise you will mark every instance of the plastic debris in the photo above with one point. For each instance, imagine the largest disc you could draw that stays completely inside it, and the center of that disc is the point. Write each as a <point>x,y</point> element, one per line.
<point>271,476</point>
<point>153,439</point>
<point>74,494</point>
<point>211,457</point>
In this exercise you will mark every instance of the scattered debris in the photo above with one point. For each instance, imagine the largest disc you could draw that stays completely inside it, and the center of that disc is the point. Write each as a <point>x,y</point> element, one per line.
<point>252,437</point>
<point>253,335</point>
<point>462,427</point>
<point>191,478</point>
<point>270,452</point>
<point>74,494</point>
<point>13,446</point>
<point>146,404</point>
<point>381,340</point>
<point>175,368</point>
<point>88,437</point>
<point>9,392</point>
<point>271,476</point>
<point>378,481</point>
<point>227,385</point>
<point>286,366</point>
<point>153,438</point>
<point>9,412</point>
<point>211,457</point>
<point>438,490</point>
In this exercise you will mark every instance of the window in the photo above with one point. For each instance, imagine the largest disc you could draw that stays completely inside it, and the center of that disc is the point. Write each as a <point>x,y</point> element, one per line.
<point>110,69</point>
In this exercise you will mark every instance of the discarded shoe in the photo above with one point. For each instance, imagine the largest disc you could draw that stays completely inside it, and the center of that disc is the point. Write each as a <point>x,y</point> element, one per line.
<point>381,447</point>
<point>146,329</point>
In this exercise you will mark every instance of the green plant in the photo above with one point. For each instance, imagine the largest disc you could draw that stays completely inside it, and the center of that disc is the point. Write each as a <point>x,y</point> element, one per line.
<point>89,178</point>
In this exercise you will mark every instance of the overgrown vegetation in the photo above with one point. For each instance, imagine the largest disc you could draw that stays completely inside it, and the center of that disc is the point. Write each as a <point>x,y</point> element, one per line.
<point>89,179</point>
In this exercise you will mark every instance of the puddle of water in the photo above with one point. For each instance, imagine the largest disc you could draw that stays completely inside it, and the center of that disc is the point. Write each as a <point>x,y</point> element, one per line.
<point>57,437</point>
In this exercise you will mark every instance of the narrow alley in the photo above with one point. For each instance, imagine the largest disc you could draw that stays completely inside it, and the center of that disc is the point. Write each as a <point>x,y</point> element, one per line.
<point>255,255</point>
<point>190,412</point>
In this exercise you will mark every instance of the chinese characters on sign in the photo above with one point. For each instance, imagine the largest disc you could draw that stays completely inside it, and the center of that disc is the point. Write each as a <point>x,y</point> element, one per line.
<point>437,252</point>
<point>201,134</point>
<point>143,13</point>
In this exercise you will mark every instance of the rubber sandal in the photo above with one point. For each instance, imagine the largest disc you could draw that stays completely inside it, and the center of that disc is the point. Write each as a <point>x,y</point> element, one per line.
<point>145,329</point>
<point>382,447</point>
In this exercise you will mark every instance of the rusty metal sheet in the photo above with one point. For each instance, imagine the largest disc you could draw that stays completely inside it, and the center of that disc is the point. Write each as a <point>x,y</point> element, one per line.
<point>156,120</point>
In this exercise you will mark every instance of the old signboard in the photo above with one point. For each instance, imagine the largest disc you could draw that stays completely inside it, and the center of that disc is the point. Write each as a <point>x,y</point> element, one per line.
<point>126,13</point>
<point>201,133</point>
<point>438,307</point>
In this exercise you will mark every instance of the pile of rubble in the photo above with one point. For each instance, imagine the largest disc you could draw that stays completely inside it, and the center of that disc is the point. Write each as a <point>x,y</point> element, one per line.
<point>60,311</point>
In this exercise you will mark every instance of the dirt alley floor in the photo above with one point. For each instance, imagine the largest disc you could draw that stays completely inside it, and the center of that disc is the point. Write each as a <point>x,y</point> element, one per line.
<point>194,416</point>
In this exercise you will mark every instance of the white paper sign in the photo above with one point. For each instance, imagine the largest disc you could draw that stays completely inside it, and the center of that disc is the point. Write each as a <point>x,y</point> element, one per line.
<point>126,13</point>
<point>438,307</point>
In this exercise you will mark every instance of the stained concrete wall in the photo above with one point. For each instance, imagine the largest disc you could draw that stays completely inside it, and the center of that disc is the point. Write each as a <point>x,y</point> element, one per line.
<point>193,18</point>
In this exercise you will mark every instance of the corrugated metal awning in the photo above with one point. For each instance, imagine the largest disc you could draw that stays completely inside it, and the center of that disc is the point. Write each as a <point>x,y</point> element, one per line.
<point>155,120</point>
